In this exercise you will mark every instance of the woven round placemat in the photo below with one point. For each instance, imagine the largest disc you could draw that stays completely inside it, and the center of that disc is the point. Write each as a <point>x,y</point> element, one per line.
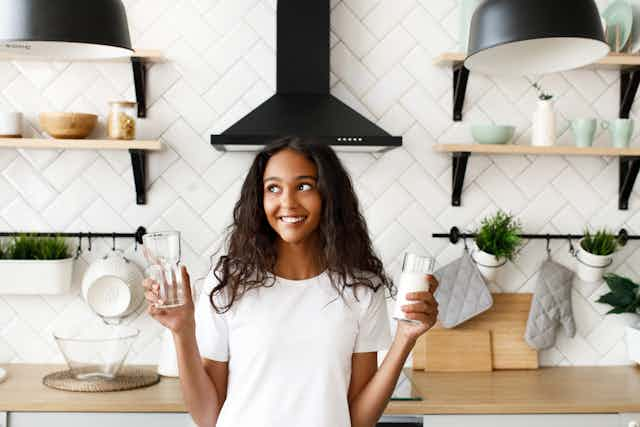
<point>128,378</point>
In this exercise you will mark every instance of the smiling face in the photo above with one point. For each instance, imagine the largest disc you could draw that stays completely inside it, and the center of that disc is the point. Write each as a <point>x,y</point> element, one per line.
<point>292,203</point>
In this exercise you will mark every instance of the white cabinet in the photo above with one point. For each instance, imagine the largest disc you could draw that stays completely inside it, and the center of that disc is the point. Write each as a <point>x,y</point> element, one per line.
<point>533,420</point>
<point>97,419</point>
<point>3,419</point>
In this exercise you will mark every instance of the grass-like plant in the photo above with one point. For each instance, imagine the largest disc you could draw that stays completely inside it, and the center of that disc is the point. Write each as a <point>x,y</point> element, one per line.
<point>499,235</point>
<point>36,248</point>
<point>623,297</point>
<point>601,243</point>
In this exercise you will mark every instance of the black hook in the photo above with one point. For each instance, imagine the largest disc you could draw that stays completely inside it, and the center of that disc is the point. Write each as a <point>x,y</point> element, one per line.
<point>464,239</point>
<point>548,245</point>
<point>113,246</point>
<point>79,250</point>
<point>572,250</point>
<point>89,238</point>
<point>623,237</point>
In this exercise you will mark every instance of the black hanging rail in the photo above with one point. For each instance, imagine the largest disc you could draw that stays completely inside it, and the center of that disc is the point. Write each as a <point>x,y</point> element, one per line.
<point>454,236</point>
<point>137,235</point>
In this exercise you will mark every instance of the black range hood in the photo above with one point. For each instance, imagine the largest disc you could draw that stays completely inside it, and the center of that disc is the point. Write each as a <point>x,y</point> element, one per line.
<point>302,105</point>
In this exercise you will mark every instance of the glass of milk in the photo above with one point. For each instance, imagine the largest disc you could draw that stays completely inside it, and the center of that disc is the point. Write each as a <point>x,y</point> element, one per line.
<point>413,278</point>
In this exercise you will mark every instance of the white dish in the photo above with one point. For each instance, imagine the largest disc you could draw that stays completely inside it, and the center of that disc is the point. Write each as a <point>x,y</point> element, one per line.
<point>3,375</point>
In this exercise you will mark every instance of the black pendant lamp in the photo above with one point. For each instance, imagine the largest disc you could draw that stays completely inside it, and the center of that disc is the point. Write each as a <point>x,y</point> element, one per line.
<point>521,37</point>
<point>64,29</point>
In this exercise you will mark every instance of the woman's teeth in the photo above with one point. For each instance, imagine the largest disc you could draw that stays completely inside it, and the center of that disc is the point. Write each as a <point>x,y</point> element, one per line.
<point>292,219</point>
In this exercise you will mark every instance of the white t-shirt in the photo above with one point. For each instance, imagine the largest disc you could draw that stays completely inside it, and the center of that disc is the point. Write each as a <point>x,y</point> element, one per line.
<point>289,350</point>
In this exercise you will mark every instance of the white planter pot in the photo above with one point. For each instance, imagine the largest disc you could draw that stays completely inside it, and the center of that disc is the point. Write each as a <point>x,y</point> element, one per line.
<point>36,277</point>
<point>591,267</point>
<point>488,264</point>
<point>544,125</point>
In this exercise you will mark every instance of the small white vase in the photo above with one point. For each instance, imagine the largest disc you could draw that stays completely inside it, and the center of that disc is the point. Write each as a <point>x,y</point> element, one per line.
<point>167,360</point>
<point>591,267</point>
<point>488,264</point>
<point>544,124</point>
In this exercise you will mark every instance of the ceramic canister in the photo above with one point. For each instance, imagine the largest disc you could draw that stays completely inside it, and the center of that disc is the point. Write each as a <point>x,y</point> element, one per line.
<point>11,125</point>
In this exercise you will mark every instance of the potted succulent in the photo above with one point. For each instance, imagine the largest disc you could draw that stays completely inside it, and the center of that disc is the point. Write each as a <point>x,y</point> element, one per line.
<point>624,297</point>
<point>32,265</point>
<point>544,120</point>
<point>595,254</point>
<point>497,241</point>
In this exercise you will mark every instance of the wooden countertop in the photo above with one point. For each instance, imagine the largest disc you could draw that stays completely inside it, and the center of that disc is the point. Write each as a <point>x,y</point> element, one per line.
<point>546,390</point>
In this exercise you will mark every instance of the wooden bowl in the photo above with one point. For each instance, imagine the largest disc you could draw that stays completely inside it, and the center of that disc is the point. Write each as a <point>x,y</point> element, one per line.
<point>68,125</point>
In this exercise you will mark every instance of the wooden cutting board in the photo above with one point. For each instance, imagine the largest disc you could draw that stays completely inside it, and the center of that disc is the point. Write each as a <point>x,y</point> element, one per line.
<point>450,350</point>
<point>506,320</point>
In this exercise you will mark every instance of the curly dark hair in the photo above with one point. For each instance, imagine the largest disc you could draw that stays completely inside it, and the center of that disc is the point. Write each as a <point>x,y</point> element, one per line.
<point>346,247</point>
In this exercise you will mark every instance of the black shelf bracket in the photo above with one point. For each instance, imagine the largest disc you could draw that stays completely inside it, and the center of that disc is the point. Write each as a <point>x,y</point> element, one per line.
<point>629,80</point>
<point>459,171</point>
<point>139,66</point>
<point>460,80</point>
<point>629,167</point>
<point>139,167</point>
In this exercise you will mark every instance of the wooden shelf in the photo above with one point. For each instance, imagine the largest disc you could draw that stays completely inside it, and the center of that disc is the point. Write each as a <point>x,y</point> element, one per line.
<point>613,60</point>
<point>137,150</point>
<point>79,144</point>
<point>627,65</point>
<point>629,163</point>
<point>557,150</point>
<point>149,55</point>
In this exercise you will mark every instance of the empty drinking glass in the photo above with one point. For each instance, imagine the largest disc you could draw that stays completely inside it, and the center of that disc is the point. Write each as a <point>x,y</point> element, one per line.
<point>413,278</point>
<point>162,251</point>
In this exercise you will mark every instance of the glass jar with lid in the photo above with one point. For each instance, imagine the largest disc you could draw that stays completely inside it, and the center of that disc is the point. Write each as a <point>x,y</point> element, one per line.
<point>121,123</point>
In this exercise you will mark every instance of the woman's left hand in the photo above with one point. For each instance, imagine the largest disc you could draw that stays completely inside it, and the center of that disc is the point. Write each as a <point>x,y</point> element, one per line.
<point>424,310</point>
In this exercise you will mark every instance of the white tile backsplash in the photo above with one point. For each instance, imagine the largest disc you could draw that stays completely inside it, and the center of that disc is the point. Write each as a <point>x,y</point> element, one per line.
<point>221,64</point>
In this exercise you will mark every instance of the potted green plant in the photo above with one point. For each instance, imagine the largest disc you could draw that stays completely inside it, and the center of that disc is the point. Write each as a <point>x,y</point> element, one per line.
<point>624,297</point>
<point>31,265</point>
<point>595,254</point>
<point>497,241</point>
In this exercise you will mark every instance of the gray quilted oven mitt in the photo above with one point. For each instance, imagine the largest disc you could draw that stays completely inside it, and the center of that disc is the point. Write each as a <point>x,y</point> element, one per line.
<point>551,306</point>
<point>462,292</point>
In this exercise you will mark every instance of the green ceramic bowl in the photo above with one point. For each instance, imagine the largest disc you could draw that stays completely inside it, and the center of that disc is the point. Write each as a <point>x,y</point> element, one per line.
<point>492,134</point>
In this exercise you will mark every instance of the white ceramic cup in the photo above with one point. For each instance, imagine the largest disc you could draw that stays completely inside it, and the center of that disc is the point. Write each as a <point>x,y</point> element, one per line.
<point>11,125</point>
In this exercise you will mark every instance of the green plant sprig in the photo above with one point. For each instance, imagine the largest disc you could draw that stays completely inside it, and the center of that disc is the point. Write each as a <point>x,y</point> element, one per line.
<point>541,94</point>
<point>601,243</point>
<point>623,297</point>
<point>499,235</point>
<point>27,247</point>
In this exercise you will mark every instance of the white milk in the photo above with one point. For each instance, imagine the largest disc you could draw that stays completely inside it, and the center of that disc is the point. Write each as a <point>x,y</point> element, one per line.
<point>409,282</point>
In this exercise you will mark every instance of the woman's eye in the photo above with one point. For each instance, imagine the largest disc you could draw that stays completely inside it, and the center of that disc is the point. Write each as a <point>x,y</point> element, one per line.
<point>305,187</point>
<point>273,189</point>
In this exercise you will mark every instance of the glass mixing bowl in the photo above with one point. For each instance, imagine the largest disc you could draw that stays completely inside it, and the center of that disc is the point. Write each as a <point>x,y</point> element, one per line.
<point>98,351</point>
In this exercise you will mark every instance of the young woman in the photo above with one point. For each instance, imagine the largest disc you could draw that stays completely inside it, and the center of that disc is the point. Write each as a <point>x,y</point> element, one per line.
<point>289,322</point>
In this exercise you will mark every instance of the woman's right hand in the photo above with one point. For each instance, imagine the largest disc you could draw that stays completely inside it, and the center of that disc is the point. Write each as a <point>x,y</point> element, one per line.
<point>180,320</point>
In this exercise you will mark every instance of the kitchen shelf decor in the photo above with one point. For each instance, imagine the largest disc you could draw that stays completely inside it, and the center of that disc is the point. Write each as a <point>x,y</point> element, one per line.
<point>629,159</point>
<point>72,30</point>
<point>628,66</point>
<point>137,151</point>
<point>50,276</point>
<point>140,59</point>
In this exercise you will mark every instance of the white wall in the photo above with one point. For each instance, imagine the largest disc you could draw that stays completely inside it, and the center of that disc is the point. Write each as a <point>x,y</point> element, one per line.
<point>221,65</point>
